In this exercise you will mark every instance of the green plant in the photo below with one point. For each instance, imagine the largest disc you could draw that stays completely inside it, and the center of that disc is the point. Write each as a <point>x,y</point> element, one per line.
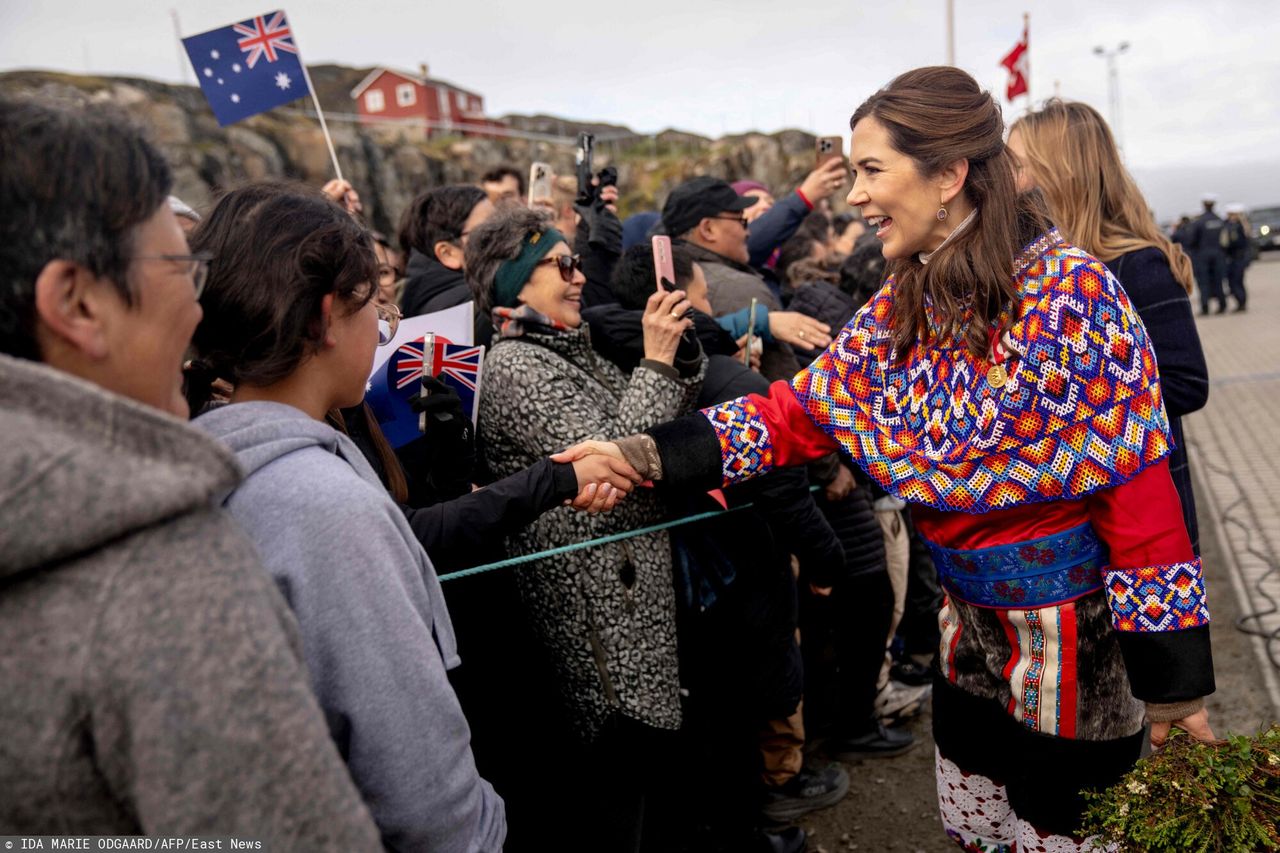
<point>1217,797</point>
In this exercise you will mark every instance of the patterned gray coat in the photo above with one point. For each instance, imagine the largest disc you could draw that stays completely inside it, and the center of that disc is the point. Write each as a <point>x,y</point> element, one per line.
<point>606,614</point>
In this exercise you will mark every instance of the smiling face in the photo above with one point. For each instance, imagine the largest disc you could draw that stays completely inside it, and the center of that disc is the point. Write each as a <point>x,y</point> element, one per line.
<point>895,199</point>
<point>550,295</point>
<point>146,341</point>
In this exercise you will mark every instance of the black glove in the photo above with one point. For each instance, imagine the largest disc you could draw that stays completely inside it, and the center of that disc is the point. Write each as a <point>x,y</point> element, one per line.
<point>604,229</point>
<point>439,465</point>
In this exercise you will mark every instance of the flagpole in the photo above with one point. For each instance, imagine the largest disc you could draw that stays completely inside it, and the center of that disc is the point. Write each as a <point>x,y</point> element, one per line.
<point>315,99</point>
<point>951,32</point>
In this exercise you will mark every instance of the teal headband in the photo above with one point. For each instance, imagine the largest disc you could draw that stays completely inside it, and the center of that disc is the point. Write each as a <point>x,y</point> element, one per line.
<point>513,273</point>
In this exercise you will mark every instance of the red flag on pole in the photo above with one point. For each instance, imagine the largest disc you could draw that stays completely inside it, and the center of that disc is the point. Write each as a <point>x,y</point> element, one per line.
<point>1016,64</point>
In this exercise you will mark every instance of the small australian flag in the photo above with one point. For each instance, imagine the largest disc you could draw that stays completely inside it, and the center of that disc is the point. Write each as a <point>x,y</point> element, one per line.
<point>247,68</point>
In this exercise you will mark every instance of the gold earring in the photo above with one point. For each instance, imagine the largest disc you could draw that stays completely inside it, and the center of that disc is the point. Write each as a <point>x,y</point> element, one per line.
<point>942,213</point>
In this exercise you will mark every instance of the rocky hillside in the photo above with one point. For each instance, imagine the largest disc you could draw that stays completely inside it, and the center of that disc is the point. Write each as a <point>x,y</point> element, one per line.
<point>390,165</point>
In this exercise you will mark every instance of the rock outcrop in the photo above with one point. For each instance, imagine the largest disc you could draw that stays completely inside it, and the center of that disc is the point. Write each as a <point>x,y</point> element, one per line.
<point>389,165</point>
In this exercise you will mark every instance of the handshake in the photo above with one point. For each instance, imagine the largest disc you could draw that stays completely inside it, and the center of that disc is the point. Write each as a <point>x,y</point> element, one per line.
<point>604,475</point>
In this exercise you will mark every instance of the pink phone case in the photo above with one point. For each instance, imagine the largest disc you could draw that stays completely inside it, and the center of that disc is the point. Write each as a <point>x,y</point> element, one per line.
<point>663,266</point>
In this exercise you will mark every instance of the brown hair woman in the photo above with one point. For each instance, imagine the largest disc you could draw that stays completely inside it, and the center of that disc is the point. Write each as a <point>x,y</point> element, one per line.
<point>1066,150</point>
<point>1002,384</point>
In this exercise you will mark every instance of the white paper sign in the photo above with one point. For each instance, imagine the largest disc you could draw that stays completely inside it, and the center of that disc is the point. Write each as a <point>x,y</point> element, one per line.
<point>457,324</point>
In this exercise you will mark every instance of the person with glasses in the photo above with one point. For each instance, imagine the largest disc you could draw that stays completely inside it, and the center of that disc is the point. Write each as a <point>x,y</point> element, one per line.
<point>434,231</point>
<point>605,616</point>
<point>709,217</point>
<point>290,320</point>
<point>152,679</point>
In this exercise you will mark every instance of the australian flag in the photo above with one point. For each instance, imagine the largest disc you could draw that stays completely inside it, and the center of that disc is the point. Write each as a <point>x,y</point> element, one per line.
<point>247,68</point>
<point>393,388</point>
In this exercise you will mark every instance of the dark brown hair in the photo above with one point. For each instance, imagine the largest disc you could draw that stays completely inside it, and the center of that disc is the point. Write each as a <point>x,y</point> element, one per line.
<point>936,116</point>
<point>75,184</point>
<point>278,249</point>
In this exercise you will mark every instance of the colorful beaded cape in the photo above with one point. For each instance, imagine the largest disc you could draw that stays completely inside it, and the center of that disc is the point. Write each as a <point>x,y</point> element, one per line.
<point>1081,410</point>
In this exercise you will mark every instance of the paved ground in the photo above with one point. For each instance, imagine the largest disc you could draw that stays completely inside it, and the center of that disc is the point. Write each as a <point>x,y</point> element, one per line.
<point>1232,445</point>
<point>891,803</point>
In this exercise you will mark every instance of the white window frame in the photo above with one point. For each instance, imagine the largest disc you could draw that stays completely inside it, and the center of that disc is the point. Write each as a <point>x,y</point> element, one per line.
<point>406,95</point>
<point>374,101</point>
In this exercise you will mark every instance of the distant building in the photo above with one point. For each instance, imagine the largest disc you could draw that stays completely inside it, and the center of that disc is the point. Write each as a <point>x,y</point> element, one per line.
<point>390,94</point>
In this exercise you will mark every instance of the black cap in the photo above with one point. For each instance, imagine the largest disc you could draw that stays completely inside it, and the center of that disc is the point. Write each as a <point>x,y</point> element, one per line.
<point>697,199</point>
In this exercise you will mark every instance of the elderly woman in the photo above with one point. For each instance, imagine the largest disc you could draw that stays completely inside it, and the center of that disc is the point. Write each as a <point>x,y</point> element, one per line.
<point>606,614</point>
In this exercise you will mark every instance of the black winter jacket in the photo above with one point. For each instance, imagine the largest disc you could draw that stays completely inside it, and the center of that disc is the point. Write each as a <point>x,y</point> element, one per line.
<point>469,530</point>
<point>825,303</point>
<point>431,286</point>
<point>616,333</point>
<point>1165,309</point>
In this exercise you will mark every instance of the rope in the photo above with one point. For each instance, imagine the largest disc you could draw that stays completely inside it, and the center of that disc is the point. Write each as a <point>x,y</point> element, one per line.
<point>590,543</point>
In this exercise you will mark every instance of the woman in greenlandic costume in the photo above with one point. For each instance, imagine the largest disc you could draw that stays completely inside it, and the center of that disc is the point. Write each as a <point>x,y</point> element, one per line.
<point>1001,383</point>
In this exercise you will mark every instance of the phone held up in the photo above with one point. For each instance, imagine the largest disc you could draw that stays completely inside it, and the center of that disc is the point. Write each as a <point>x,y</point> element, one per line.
<point>539,182</point>
<point>663,265</point>
<point>828,148</point>
<point>584,156</point>
<point>664,269</point>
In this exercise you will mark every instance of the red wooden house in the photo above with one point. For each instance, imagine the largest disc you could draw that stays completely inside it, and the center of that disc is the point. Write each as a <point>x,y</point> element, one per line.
<point>390,94</point>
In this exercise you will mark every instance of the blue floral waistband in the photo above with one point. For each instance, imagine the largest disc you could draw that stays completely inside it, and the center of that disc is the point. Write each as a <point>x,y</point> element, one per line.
<point>1035,573</point>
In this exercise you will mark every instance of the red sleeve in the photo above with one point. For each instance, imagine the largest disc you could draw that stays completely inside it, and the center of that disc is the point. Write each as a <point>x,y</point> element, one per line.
<point>757,433</point>
<point>1141,521</point>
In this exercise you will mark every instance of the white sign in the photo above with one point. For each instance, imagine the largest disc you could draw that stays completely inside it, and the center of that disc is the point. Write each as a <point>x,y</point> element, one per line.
<point>457,324</point>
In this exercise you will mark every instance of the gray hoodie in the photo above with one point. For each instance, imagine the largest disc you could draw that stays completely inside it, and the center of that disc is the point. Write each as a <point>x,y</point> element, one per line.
<point>375,630</point>
<point>150,674</point>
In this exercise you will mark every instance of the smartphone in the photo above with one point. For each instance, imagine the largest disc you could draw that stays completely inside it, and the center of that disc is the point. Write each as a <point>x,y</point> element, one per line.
<point>539,182</point>
<point>583,157</point>
<point>663,265</point>
<point>751,332</point>
<point>828,148</point>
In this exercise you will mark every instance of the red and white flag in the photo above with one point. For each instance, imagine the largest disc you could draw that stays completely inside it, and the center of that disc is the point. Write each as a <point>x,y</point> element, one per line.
<point>1018,67</point>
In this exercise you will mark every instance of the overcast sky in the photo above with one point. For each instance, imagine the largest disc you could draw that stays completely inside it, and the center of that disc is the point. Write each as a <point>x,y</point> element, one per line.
<point>1200,85</point>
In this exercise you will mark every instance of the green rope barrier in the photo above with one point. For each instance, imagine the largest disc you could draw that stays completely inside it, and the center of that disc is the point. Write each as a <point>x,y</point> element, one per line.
<point>591,543</point>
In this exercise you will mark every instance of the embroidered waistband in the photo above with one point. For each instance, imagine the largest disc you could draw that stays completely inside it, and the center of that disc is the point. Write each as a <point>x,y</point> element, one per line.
<point>1034,573</point>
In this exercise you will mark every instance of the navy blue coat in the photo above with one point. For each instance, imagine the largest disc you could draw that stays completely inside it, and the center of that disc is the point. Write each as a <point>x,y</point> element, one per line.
<point>1165,309</point>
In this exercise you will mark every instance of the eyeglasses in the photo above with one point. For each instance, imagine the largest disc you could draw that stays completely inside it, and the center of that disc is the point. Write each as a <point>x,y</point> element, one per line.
<point>198,266</point>
<point>568,264</point>
<point>388,321</point>
<point>742,220</point>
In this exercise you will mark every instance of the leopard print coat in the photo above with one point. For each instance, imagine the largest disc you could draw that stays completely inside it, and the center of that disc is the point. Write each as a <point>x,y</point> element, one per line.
<point>607,614</point>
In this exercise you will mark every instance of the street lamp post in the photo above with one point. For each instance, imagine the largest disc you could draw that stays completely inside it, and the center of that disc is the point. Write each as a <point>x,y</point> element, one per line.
<point>1113,86</point>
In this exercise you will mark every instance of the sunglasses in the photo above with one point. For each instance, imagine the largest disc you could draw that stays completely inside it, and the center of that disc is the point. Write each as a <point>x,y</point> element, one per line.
<point>568,264</point>
<point>742,220</point>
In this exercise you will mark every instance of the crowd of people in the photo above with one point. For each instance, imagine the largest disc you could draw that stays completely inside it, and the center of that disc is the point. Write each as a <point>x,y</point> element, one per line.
<point>931,455</point>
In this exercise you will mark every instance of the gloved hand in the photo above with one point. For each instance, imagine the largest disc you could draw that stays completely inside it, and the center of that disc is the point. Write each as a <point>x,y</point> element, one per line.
<point>604,229</point>
<point>440,464</point>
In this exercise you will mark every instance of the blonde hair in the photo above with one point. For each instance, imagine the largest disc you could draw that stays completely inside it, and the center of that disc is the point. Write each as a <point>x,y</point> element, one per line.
<point>1092,198</point>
